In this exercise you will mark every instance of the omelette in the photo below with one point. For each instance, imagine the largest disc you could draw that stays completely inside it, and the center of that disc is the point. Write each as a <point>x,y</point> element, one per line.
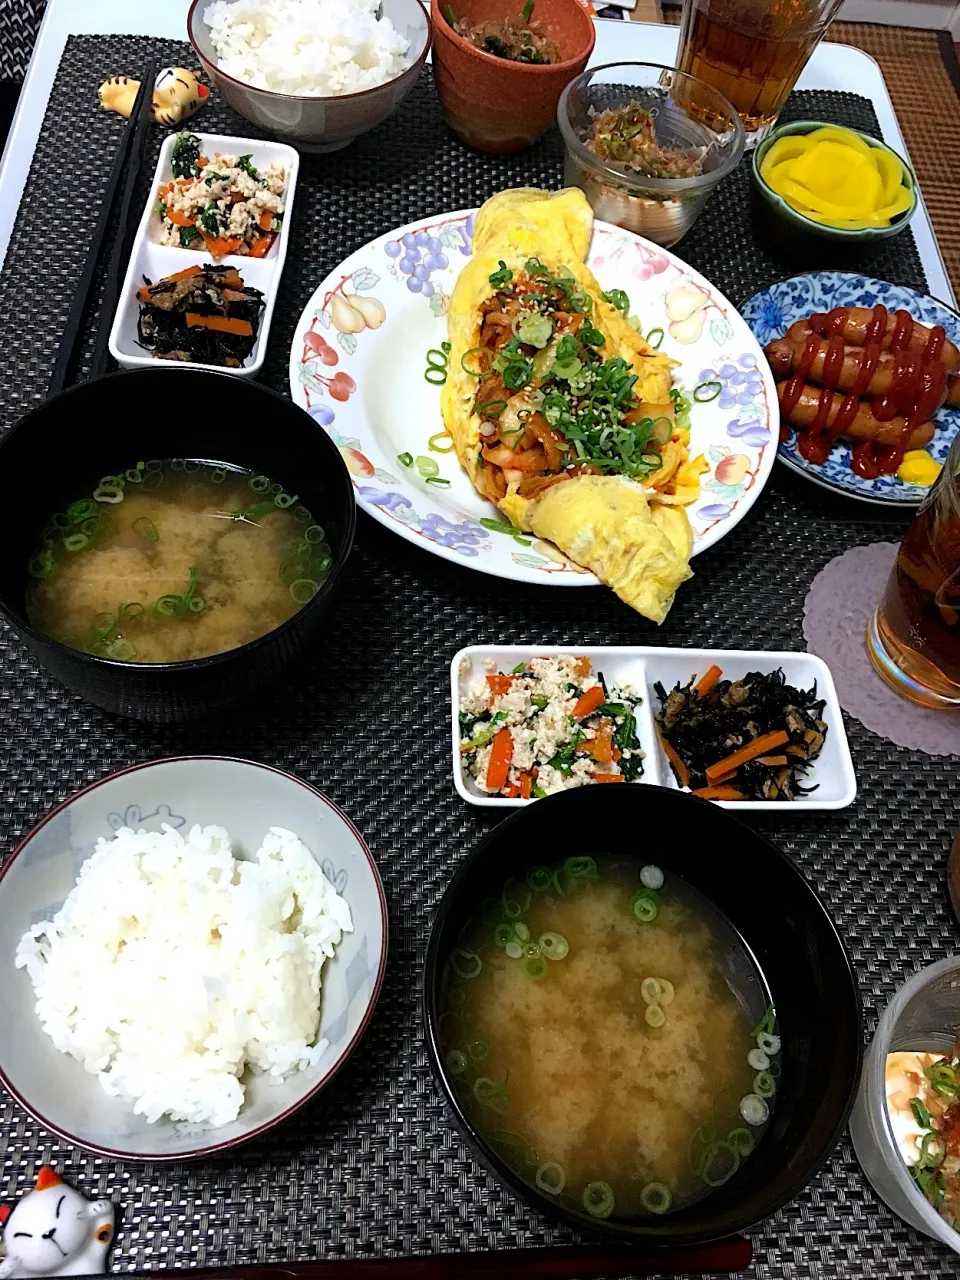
<point>560,412</point>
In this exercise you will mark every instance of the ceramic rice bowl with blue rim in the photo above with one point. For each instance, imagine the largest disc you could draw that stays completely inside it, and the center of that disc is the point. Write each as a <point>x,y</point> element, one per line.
<point>246,798</point>
<point>770,312</point>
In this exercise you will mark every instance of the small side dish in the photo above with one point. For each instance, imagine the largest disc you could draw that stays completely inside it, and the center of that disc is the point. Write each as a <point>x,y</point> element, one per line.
<point>647,144</point>
<point>923,1104</point>
<point>747,739</point>
<point>205,315</point>
<point>518,39</point>
<point>834,176</point>
<point>221,203</point>
<point>870,376</point>
<point>548,725</point>
<point>173,967</point>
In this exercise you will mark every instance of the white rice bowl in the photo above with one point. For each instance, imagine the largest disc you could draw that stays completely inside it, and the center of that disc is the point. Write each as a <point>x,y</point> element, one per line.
<point>307,48</point>
<point>172,967</point>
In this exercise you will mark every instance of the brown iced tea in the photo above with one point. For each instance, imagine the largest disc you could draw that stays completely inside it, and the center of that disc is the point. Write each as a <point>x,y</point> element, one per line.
<point>914,639</point>
<point>752,51</point>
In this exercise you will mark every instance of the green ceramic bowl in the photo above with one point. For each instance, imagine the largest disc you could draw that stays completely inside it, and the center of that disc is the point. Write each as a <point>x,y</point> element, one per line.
<point>798,222</point>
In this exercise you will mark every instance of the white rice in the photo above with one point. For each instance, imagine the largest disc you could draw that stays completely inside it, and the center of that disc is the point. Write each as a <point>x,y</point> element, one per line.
<point>172,966</point>
<point>310,48</point>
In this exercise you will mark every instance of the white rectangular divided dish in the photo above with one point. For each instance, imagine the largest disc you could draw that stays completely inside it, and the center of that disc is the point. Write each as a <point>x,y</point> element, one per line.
<point>640,669</point>
<point>154,260</point>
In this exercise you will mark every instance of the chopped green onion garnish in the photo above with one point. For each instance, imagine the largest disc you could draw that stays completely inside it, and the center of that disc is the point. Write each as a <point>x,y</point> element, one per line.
<point>437,480</point>
<point>654,338</point>
<point>598,1199</point>
<point>441,435</point>
<point>503,933</point>
<point>721,1164</point>
<point>476,361</point>
<point>656,1197</point>
<point>617,298</point>
<point>553,945</point>
<point>551,1178</point>
<point>764,1085</point>
<point>456,1062</point>
<point>465,964</point>
<point>654,1015</point>
<point>645,906</point>
<point>704,392</point>
<point>754,1110</point>
<point>650,991</point>
<point>535,329</point>
<point>503,275</point>
<point>921,1114</point>
<point>741,1140</point>
<point>527,10</point>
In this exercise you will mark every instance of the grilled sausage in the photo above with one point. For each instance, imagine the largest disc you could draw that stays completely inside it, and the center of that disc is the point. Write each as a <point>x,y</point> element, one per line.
<point>854,331</point>
<point>864,425</point>
<point>784,357</point>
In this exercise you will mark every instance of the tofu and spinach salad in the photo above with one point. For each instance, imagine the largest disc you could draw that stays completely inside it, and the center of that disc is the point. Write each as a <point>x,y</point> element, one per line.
<point>221,204</point>
<point>548,725</point>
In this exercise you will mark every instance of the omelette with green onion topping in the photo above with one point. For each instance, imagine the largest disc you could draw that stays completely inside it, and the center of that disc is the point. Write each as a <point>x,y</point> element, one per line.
<point>560,412</point>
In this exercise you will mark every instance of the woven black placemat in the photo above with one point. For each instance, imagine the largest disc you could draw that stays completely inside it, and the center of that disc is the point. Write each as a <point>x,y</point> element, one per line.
<point>374,1167</point>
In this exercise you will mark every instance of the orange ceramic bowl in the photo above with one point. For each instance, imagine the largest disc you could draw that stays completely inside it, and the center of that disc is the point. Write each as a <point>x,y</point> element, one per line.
<point>500,106</point>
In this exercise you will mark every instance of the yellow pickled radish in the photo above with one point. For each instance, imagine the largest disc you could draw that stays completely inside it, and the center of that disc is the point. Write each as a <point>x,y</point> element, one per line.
<point>835,133</point>
<point>891,173</point>
<point>798,194</point>
<point>786,148</point>
<point>775,176</point>
<point>834,175</point>
<point>846,224</point>
<point>901,202</point>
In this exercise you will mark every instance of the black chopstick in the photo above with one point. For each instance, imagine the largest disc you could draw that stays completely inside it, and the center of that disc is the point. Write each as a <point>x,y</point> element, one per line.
<point>126,166</point>
<point>722,1257</point>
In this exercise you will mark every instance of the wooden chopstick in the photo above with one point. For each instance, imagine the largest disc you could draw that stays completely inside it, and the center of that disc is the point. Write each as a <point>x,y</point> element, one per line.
<point>126,166</point>
<point>586,1262</point>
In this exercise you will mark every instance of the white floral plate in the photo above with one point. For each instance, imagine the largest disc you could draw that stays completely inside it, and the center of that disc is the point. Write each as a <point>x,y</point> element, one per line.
<point>359,357</point>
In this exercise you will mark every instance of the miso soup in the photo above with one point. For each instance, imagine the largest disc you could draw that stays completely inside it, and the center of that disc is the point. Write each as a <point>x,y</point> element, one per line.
<point>610,1036</point>
<point>173,560</point>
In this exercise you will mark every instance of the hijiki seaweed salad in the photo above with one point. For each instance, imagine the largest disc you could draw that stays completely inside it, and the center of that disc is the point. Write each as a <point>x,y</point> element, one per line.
<point>546,726</point>
<point>747,739</point>
<point>204,315</point>
<point>606,1032</point>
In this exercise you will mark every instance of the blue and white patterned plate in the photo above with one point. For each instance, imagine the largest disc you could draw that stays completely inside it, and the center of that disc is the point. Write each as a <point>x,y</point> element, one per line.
<point>772,311</point>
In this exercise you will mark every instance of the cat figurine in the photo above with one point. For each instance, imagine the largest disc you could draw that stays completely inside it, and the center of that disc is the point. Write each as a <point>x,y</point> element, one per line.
<point>55,1231</point>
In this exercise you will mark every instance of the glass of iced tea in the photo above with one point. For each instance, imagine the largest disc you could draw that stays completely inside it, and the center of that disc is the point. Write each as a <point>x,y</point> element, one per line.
<point>752,51</point>
<point>914,637</point>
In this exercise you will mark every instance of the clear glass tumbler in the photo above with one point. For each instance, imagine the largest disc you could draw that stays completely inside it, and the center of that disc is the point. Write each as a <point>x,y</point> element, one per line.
<point>921,1016</point>
<point>752,51</point>
<point>914,637</point>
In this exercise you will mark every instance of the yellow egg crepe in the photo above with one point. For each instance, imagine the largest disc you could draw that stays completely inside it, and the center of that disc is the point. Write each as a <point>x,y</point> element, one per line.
<point>559,410</point>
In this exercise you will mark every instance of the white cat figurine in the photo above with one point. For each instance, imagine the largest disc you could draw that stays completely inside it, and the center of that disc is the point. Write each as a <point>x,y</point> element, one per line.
<point>55,1231</point>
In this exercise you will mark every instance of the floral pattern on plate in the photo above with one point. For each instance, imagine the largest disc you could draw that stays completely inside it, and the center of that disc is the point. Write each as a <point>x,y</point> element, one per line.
<point>357,366</point>
<point>772,311</point>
